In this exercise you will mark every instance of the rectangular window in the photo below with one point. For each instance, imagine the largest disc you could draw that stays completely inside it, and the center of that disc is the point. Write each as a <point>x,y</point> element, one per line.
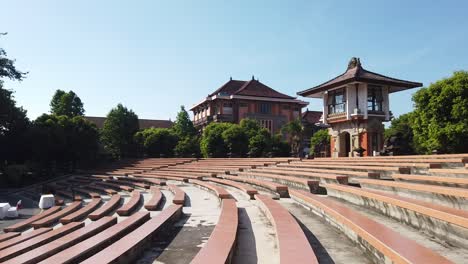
<point>265,108</point>
<point>227,108</point>
<point>374,98</point>
<point>243,105</point>
<point>286,107</point>
<point>337,101</point>
<point>268,124</point>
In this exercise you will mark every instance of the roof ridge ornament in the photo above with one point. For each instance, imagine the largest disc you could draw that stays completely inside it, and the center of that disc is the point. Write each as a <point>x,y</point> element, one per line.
<point>353,63</point>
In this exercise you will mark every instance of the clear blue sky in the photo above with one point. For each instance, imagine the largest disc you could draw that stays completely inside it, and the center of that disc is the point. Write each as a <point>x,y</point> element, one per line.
<point>154,56</point>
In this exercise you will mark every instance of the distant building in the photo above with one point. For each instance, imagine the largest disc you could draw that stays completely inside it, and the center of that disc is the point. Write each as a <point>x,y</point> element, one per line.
<point>355,104</point>
<point>311,124</point>
<point>144,123</point>
<point>236,100</point>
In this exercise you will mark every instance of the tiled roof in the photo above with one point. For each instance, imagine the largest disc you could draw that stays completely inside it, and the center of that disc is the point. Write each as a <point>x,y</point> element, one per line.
<point>249,88</point>
<point>356,73</point>
<point>144,123</point>
<point>312,117</point>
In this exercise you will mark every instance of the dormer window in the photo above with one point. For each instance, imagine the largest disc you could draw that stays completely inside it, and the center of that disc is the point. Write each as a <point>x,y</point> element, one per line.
<point>374,98</point>
<point>337,101</point>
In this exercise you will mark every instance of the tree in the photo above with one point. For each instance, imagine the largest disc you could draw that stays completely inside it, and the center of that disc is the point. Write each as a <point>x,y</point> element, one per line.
<point>189,142</point>
<point>63,139</point>
<point>157,142</point>
<point>279,147</point>
<point>250,126</point>
<point>260,143</point>
<point>236,140</point>
<point>68,104</point>
<point>294,131</point>
<point>320,140</point>
<point>183,126</point>
<point>188,147</point>
<point>13,119</point>
<point>400,134</point>
<point>212,144</point>
<point>441,115</point>
<point>118,132</point>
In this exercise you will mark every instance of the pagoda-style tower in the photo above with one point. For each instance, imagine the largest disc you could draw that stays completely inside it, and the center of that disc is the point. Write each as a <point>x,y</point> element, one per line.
<point>355,104</point>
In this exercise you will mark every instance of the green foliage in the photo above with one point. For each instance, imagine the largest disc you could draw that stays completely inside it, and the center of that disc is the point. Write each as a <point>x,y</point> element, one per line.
<point>236,140</point>
<point>118,132</point>
<point>294,131</point>
<point>260,143</point>
<point>320,138</point>
<point>8,69</point>
<point>401,133</point>
<point>189,142</point>
<point>279,147</point>
<point>157,142</point>
<point>68,104</point>
<point>441,116</point>
<point>63,139</point>
<point>188,147</point>
<point>183,126</point>
<point>212,143</point>
<point>250,126</point>
<point>13,120</point>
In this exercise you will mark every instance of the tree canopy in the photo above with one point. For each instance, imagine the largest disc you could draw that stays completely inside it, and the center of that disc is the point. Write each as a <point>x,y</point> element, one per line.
<point>118,132</point>
<point>157,142</point>
<point>183,126</point>
<point>319,140</point>
<point>400,134</point>
<point>441,115</point>
<point>68,104</point>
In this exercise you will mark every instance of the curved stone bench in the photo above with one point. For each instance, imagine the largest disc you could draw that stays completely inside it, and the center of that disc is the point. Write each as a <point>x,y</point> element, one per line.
<point>282,190</point>
<point>295,182</point>
<point>292,242</point>
<point>90,193</point>
<point>179,194</point>
<point>82,213</point>
<point>173,174</point>
<point>6,236</point>
<point>131,205</point>
<point>23,225</point>
<point>382,170</point>
<point>245,188</point>
<point>102,189</point>
<point>382,243</point>
<point>147,176</point>
<point>55,246</point>
<point>23,237</point>
<point>113,203</point>
<point>156,197</point>
<point>449,172</point>
<point>329,176</point>
<point>126,249</point>
<point>448,196</point>
<point>38,241</point>
<point>219,191</point>
<point>221,244</point>
<point>49,220</point>
<point>94,244</point>
<point>447,223</point>
<point>115,186</point>
<point>130,183</point>
<point>444,181</point>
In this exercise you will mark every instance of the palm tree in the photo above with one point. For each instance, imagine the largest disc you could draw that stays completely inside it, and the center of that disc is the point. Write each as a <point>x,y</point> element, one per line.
<point>294,130</point>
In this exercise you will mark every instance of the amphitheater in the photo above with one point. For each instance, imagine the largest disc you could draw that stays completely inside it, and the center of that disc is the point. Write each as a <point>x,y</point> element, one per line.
<point>393,209</point>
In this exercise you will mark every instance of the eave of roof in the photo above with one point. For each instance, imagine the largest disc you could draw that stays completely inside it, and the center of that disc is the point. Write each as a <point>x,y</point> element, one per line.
<point>355,73</point>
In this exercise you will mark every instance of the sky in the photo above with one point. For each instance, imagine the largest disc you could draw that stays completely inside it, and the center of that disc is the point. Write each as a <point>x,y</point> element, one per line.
<point>154,56</point>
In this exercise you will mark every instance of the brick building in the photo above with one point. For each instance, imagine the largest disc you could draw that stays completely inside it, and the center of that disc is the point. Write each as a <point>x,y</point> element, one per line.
<point>236,100</point>
<point>355,104</point>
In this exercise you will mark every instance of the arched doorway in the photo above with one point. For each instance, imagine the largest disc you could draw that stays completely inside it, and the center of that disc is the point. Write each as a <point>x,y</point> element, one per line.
<point>345,144</point>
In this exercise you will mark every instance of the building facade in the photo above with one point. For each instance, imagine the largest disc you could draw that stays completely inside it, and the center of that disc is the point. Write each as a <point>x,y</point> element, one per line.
<point>355,105</point>
<point>236,100</point>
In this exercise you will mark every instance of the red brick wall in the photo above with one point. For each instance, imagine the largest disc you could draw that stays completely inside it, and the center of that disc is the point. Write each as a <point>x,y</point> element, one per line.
<point>332,145</point>
<point>363,138</point>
